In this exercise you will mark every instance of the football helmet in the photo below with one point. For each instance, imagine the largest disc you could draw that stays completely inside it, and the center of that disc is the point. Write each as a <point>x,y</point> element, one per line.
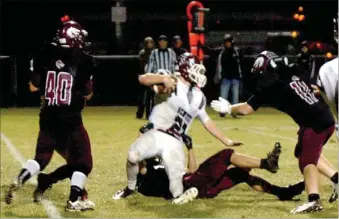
<point>72,35</point>
<point>192,70</point>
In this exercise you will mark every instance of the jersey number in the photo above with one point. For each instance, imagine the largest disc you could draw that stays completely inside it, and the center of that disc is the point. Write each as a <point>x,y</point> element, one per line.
<point>180,124</point>
<point>303,91</point>
<point>58,88</point>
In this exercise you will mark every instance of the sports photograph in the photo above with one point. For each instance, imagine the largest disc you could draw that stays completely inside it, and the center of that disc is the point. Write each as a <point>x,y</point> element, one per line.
<point>169,109</point>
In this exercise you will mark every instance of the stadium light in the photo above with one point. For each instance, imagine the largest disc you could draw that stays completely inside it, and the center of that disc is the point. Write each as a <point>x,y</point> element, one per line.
<point>296,16</point>
<point>294,34</point>
<point>318,45</point>
<point>300,9</point>
<point>301,17</point>
<point>329,55</point>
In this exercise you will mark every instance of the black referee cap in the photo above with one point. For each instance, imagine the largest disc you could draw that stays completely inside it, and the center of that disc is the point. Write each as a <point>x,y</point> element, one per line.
<point>176,38</point>
<point>162,37</point>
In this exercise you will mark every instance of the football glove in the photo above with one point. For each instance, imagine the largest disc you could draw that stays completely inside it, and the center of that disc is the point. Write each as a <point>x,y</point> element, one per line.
<point>221,106</point>
<point>145,128</point>
<point>187,141</point>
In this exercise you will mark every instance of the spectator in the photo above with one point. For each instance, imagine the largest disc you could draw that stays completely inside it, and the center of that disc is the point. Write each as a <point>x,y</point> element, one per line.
<point>162,59</point>
<point>177,46</point>
<point>306,64</point>
<point>228,72</point>
<point>145,94</point>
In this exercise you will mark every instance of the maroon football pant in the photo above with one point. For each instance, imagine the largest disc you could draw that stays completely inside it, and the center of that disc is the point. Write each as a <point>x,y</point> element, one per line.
<point>310,144</point>
<point>214,175</point>
<point>73,145</point>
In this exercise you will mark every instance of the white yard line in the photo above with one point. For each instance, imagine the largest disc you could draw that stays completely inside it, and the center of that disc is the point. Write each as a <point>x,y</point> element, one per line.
<point>50,208</point>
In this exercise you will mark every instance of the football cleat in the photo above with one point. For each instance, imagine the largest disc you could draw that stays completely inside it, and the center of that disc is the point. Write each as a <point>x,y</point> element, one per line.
<point>15,185</point>
<point>123,193</point>
<point>308,207</point>
<point>273,158</point>
<point>334,195</point>
<point>291,191</point>
<point>44,183</point>
<point>189,195</point>
<point>88,204</point>
<point>78,205</point>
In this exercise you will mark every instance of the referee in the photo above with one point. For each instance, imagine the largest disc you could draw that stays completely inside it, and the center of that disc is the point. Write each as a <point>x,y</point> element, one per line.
<point>162,58</point>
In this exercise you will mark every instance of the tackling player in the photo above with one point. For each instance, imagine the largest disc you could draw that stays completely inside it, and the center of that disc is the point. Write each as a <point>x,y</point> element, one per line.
<point>276,86</point>
<point>61,73</point>
<point>216,174</point>
<point>171,120</point>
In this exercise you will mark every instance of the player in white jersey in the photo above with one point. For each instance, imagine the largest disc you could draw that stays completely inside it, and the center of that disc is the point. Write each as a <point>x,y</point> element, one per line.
<point>172,120</point>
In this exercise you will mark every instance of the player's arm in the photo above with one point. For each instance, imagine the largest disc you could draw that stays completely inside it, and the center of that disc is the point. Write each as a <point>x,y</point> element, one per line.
<point>246,108</point>
<point>210,126</point>
<point>150,79</point>
<point>192,163</point>
<point>34,76</point>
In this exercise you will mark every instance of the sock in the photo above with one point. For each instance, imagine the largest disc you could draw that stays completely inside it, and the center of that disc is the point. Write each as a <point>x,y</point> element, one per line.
<point>266,186</point>
<point>61,173</point>
<point>334,178</point>
<point>132,172</point>
<point>30,168</point>
<point>263,164</point>
<point>313,197</point>
<point>77,184</point>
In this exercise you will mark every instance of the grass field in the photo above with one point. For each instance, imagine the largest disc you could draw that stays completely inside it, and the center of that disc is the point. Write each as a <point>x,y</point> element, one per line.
<point>113,129</point>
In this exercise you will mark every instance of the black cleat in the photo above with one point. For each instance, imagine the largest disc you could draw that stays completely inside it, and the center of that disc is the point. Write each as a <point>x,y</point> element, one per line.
<point>273,158</point>
<point>292,190</point>
<point>44,183</point>
<point>123,193</point>
<point>15,185</point>
<point>334,195</point>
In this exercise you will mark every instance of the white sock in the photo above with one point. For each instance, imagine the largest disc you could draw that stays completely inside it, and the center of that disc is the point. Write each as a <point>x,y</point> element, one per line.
<point>132,172</point>
<point>32,166</point>
<point>78,179</point>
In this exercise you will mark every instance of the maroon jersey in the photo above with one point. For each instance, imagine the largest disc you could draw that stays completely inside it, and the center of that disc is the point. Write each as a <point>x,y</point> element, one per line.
<point>64,77</point>
<point>288,93</point>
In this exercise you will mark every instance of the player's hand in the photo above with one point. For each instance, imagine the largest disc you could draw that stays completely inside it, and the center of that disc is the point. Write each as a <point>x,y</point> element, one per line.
<point>315,89</point>
<point>221,106</point>
<point>234,143</point>
<point>187,141</point>
<point>169,83</point>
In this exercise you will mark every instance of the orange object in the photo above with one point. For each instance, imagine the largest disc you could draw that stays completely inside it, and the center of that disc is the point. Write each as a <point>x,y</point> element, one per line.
<point>329,55</point>
<point>318,45</point>
<point>301,17</point>
<point>294,34</point>
<point>296,16</point>
<point>300,9</point>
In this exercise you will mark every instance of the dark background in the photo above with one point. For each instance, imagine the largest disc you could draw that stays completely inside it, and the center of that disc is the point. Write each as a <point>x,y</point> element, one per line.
<point>26,25</point>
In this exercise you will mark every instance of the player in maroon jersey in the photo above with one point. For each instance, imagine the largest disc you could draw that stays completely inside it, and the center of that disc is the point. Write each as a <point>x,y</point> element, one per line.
<point>61,72</point>
<point>277,86</point>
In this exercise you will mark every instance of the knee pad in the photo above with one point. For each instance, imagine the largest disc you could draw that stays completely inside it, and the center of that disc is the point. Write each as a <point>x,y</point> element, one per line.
<point>133,157</point>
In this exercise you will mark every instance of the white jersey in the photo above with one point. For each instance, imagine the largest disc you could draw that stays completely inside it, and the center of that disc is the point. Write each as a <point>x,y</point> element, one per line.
<point>328,82</point>
<point>177,113</point>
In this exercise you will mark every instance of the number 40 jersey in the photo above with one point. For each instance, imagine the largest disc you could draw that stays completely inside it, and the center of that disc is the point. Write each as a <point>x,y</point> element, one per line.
<point>63,76</point>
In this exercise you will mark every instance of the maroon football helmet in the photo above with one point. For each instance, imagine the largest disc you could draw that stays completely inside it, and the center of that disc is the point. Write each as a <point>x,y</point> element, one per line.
<point>71,35</point>
<point>192,70</point>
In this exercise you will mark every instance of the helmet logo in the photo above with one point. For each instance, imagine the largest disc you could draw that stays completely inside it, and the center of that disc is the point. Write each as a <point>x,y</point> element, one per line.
<point>73,33</point>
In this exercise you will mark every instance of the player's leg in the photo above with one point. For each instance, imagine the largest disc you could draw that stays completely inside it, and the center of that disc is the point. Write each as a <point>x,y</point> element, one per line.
<point>328,170</point>
<point>308,150</point>
<point>270,163</point>
<point>43,154</point>
<point>82,163</point>
<point>261,185</point>
<point>146,146</point>
<point>173,157</point>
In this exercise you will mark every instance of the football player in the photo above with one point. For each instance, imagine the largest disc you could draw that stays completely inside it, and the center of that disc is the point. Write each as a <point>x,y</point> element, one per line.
<point>171,120</point>
<point>61,72</point>
<point>276,86</point>
<point>216,174</point>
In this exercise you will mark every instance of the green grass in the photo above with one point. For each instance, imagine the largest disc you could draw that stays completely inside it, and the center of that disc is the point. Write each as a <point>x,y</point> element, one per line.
<point>113,129</point>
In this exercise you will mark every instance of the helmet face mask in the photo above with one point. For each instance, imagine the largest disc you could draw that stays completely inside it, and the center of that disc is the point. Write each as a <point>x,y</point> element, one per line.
<point>192,70</point>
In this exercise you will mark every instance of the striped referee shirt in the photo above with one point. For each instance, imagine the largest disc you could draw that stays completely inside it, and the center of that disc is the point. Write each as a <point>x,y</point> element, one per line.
<point>162,59</point>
